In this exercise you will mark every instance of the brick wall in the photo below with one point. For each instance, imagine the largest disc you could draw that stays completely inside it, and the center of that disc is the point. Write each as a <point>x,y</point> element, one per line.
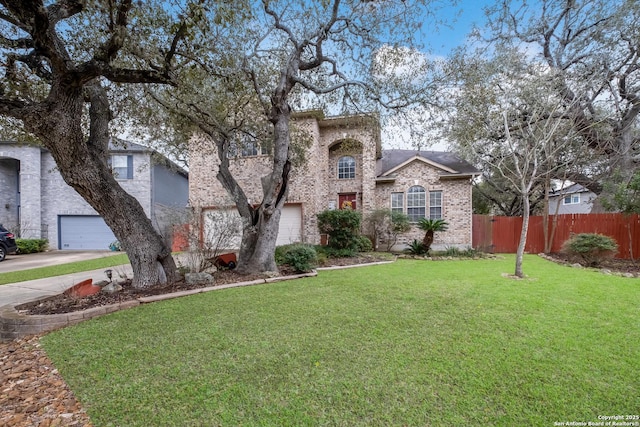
<point>456,203</point>
<point>315,184</point>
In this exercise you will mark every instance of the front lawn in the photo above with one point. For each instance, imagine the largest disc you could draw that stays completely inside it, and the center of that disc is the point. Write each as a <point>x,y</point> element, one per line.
<point>410,343</point>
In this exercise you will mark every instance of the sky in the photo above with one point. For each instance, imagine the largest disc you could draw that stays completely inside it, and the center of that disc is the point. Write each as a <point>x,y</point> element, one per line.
<point>460,20</point>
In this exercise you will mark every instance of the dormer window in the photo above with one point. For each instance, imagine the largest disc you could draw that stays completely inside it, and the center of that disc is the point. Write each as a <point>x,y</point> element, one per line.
<point>346,167</point>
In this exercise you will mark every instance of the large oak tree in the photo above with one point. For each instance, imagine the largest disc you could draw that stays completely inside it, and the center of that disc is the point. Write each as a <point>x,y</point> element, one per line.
<point>344,55</point>
<point>58,60</point>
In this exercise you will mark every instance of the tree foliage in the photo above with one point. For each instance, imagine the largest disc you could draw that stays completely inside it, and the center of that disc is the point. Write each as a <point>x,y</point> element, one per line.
<point>60,59</point>
<point>623,194</point>
<point>510,122</point>
<point>245,80</point>
<point>589,50</point>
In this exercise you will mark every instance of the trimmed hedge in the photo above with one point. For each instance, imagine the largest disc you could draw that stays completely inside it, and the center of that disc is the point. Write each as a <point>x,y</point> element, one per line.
<point>302,258</point>
<point>31,246</point>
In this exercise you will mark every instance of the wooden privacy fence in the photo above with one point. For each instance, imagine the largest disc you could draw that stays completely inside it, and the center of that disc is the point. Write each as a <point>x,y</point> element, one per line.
<point>501,234</point>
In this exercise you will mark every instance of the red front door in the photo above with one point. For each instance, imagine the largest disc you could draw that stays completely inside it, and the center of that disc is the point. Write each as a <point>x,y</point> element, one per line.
<point>347,200</point>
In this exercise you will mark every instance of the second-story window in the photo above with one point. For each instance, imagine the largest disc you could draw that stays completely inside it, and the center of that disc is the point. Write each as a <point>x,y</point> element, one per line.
<point>122,166</point>
<point>346,167</point>
<point>246,146</point>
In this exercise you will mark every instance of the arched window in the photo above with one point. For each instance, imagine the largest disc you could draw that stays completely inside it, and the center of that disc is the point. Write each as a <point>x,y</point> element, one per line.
<point>346,167</point>
<point>416,203</point>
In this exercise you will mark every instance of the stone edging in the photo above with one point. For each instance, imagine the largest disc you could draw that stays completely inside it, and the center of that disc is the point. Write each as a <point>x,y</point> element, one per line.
<point>604,271</point>
<point>14,324</point>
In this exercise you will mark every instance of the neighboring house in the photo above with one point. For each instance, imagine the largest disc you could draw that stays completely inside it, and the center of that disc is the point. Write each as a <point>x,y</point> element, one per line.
<point>574,199</point>
<point>39,204</point>
<point>345,166</point>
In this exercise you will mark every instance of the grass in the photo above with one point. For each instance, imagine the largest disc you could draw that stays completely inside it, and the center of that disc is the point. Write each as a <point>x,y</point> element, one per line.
<point>410,343</point>
<point>61,269</point>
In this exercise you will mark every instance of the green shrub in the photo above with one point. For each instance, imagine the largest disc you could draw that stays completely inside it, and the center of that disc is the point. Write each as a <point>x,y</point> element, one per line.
<point>302,258</point>
<point>383,225</point>
<point>281,252</point>
<point>364,244</point>
<point>330,252</point>
<point>342,226</point>
<point>416,247</point>
<point>590,247</point>
<point>31,246</point>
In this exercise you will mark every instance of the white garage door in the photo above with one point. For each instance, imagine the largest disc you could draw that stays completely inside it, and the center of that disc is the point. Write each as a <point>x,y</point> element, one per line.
<point>290,225</point>
<point>223,227</point>
<point>84,232</point>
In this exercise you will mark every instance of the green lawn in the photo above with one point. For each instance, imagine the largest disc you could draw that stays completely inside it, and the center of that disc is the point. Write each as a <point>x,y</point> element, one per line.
<point>61,269</point>
<point>414,343</point>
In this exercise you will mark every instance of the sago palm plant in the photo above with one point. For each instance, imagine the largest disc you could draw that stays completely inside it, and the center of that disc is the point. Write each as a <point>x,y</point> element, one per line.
<point>430,226</point>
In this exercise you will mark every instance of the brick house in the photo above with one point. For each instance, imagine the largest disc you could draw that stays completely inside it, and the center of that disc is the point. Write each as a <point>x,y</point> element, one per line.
<point>37,203</point>
<point>345,165</point>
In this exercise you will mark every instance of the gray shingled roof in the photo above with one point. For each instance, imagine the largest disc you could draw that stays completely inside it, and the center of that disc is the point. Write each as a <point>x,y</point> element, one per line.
<point>392,158</point>
<point>572,189</point>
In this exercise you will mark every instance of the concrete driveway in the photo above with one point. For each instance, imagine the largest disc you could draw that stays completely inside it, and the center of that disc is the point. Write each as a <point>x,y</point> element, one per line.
<point>30,290</point>
<point>44,259</point>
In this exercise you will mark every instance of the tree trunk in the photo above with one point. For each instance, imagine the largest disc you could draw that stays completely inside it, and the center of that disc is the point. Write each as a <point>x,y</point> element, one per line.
<point>427,241</point>
<point>257,252</point>
<point>523,237</point>
<point>83,165</point>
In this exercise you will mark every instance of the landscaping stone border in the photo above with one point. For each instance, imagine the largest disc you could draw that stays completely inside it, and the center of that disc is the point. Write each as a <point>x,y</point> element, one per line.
<point>14,324</point>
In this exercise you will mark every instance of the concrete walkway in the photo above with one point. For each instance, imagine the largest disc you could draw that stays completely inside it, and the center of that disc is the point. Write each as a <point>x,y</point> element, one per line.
<point>30,290</point>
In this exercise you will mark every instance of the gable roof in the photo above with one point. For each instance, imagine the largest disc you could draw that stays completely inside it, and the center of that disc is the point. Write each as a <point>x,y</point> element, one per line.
<point>572,189</point>
<point>448,163</point>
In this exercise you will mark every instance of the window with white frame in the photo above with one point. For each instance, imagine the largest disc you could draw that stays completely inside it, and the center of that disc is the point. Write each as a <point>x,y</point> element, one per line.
<point>346,167</point>
<point>416,203</point>
<point>571,199</point>
<point>397,202</point>
<point>435,204</point>
<point>122,166</point>
<point>246,146</point>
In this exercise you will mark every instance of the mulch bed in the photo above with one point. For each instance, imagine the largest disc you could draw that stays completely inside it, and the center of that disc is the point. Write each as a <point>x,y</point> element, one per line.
<point>64,303</point>
<point>615,265</point>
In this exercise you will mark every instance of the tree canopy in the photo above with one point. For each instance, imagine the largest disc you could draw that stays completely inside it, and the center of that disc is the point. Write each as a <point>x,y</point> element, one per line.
<point>59,60</point>
<point>244,81</point>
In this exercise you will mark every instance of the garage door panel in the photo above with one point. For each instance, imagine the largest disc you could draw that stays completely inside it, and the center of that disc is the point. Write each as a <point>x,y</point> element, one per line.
<point>84,232</point>
<point>223,227</point>
<point>290,230</point>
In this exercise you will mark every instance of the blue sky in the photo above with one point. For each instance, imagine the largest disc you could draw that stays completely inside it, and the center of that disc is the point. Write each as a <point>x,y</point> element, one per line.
<point>461,18</point>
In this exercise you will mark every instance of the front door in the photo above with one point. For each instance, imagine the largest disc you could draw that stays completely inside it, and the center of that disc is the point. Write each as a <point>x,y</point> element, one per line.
<point>347,200</point>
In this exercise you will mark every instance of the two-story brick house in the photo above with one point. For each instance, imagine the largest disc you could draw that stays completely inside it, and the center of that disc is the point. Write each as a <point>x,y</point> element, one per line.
<point>345,165</point>
<point>38,203</point>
